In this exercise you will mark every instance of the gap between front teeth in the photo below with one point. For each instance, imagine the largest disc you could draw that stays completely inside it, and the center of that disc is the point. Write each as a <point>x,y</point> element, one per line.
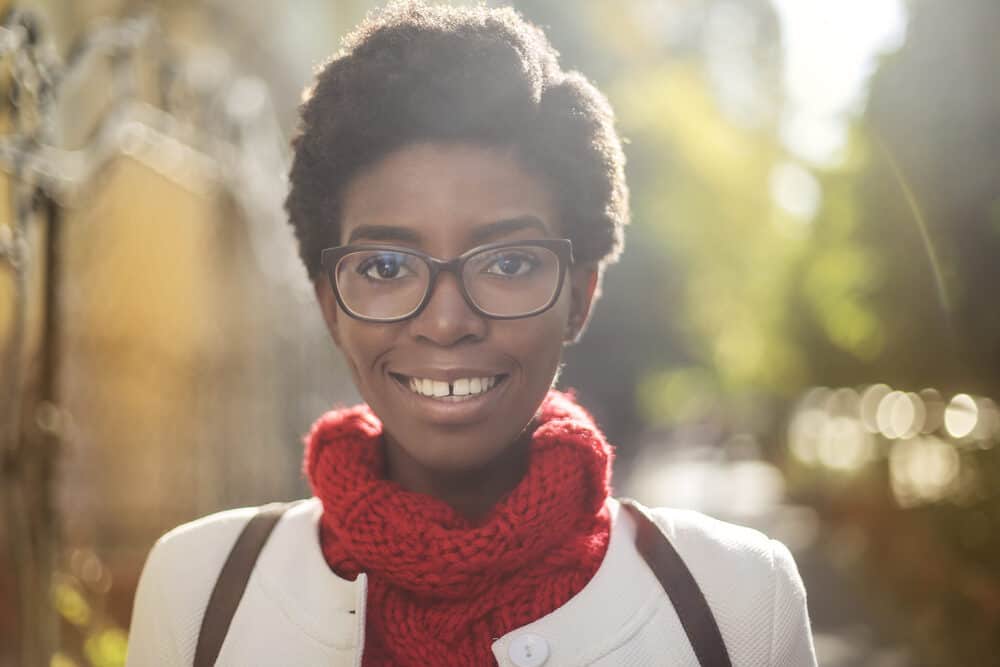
<point>460,387</point>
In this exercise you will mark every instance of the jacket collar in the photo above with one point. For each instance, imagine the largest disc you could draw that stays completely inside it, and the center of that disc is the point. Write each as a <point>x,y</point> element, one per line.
<point>618,599</point>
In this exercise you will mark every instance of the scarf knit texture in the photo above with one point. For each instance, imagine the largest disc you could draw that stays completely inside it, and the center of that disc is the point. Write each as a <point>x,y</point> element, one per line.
<point>442,588</point>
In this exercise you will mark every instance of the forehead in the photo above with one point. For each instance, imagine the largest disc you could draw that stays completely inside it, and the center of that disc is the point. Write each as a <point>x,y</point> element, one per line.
<point>443,196</point>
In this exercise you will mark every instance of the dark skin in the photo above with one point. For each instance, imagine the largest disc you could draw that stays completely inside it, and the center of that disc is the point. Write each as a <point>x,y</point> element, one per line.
<point>443,199</point>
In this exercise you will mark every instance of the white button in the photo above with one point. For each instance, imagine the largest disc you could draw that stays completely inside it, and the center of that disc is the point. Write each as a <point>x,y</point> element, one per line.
<point>528,650</point>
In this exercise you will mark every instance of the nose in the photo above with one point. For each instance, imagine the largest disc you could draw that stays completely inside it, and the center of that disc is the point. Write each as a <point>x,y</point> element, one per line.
<point>447,319</point>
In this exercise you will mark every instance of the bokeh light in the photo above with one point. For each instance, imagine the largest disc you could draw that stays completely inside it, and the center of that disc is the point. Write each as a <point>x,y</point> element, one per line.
<point>826,431</point>
<point>795,190</point>
<point>933,410</point>
<point>922,470</point>
<point>840,430</point>
<point>900,415</point>
<point>871,398</point>
<point>961,415</point>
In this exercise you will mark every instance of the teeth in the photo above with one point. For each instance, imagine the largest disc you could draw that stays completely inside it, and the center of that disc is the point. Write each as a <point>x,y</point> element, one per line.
<point>460,387</point>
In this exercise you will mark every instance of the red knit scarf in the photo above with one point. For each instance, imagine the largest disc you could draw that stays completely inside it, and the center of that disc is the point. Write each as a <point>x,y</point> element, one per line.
<point>441,589</point>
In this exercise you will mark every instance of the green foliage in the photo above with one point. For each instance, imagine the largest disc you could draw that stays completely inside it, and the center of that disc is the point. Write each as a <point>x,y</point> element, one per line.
<point>891,278</point>
<point>704,193</point>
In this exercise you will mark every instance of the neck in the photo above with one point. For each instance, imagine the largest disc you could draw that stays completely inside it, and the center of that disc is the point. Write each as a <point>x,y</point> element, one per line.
<point>471,493</point>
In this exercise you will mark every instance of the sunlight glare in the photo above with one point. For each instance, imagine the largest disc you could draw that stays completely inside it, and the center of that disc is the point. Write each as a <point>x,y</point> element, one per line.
<point>830,51</point>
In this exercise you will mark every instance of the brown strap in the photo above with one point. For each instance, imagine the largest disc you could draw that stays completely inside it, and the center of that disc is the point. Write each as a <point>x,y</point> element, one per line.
<point>677,580</point>
<point>232,582</point>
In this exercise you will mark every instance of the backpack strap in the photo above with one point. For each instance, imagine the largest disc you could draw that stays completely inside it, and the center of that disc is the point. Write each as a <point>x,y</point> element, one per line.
<point>232,581</point>
<point>682,589</point>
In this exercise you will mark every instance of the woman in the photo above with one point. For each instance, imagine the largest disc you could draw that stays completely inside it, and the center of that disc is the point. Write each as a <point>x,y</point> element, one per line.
<point>456,196</point>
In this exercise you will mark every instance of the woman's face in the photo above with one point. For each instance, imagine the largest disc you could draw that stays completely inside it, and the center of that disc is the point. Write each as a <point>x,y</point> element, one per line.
<point>444,199</point>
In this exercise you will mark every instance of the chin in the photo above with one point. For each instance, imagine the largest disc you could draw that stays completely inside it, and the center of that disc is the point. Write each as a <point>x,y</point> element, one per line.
<point>456,453</point>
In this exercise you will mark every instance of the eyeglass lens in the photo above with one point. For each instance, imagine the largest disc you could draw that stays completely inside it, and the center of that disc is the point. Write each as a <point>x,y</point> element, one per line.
<point>504,282</point>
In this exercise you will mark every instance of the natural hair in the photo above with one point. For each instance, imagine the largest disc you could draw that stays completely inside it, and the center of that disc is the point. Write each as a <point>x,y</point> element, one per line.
<point>413,73</point>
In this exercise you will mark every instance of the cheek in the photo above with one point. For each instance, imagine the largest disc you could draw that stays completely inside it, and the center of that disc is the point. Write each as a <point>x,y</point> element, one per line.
<point>361,345</point>
<point>541,343</point>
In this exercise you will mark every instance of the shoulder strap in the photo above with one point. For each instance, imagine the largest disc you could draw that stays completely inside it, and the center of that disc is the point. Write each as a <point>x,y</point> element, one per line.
<point>676,579</point>
<point>233,580</point>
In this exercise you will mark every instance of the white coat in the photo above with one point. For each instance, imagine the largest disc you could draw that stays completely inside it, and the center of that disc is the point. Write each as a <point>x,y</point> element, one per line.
<point>296,611</point>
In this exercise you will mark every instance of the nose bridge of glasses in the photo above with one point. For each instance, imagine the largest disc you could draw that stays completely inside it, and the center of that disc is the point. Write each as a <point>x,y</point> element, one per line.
<point>447,316</point>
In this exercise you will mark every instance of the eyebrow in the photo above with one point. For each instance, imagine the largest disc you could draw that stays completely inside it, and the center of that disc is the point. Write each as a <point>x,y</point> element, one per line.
<point>383,233</point>
<point>501,228</point>
<point>483,234</point>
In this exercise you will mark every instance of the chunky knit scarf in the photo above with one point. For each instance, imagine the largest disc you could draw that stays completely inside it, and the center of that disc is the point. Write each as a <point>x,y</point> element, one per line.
<point>441,589</point>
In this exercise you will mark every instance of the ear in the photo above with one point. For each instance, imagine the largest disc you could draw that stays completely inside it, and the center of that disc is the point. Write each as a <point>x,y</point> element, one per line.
<point>584,282</point>
<point>329,306</point>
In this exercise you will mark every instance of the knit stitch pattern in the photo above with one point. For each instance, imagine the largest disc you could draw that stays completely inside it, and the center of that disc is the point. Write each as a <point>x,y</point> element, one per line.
<point>442,588</point>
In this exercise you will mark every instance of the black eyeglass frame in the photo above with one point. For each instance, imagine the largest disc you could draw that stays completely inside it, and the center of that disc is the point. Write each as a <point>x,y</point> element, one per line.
<point>562,248</point>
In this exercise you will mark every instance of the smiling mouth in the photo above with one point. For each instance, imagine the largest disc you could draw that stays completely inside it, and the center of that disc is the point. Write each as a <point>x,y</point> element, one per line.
<point>461,389</point>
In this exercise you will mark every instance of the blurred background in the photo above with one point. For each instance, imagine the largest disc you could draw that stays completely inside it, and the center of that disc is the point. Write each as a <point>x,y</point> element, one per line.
<point>803,334</point>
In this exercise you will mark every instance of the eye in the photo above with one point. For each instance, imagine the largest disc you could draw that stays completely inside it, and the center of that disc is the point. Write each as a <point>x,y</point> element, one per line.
<point>511,264</point>
<point>385,266</point>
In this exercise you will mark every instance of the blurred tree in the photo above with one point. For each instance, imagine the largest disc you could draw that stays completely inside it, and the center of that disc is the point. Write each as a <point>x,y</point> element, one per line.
<point>917,225</point>
<point>697,304</point>
<point>147,285</point>
<point>750,274</point>
<point>931,197</point>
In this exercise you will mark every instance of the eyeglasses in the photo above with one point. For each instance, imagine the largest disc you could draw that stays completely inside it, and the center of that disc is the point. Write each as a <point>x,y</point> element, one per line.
<point>383,283</point>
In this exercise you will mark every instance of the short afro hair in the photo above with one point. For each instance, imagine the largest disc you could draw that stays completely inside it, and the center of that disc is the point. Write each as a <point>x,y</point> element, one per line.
<point>414,73</point>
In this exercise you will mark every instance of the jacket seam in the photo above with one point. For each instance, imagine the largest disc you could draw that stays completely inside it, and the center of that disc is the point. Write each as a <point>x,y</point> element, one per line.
<point>282,604</point>
<point>635,623</point>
